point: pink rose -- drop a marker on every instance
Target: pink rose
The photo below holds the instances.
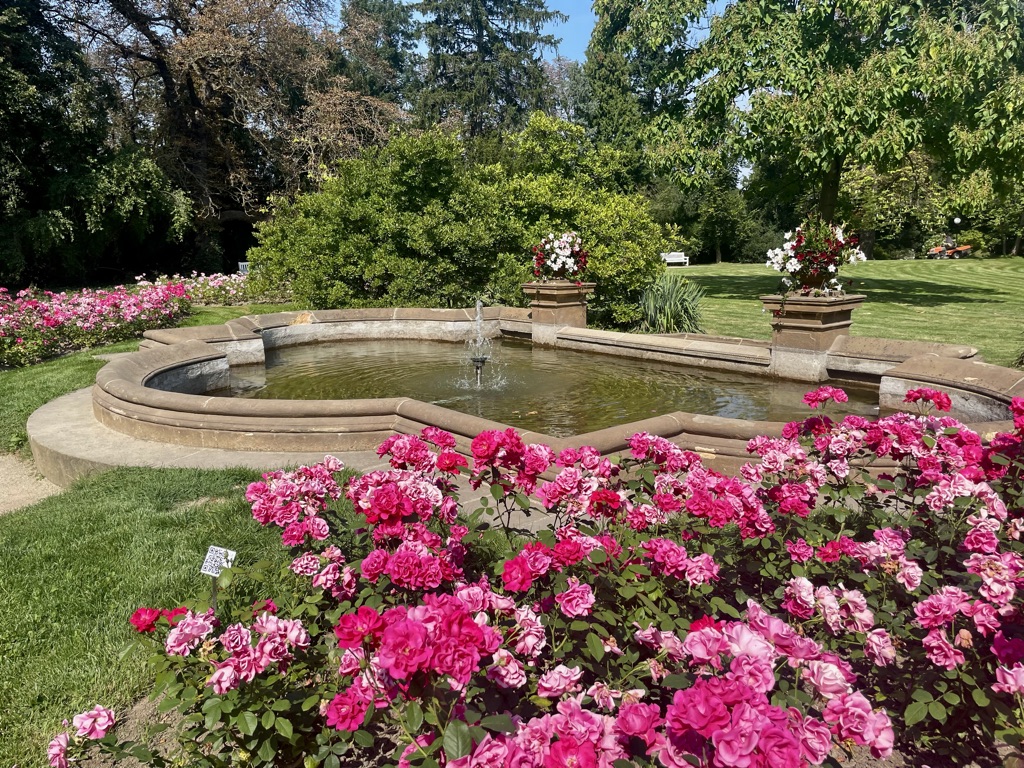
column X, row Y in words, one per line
column 57, row 751
column 561, row 679
column 577, row 600
column 517, row 576
column 94, row 723
column 878, row 647
column 827, row 679
column 224, row 679
column 1010, row 680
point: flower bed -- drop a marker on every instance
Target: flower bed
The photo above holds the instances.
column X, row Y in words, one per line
column 669, row 616
column 35, row 325
column 216, row 289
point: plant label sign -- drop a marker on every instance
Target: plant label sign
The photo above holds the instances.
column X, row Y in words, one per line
column 217, row 559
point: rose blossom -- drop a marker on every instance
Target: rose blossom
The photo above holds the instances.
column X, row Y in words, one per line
column 1010, row 680
column 144, row 619
column 878, row 647
column 577, row 600
column 57, row 751
column 561, row 679
column 94, row 723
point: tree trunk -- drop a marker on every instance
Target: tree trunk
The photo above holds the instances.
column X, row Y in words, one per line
column 867, row 243
column 718, row 251
column 829, row 196
column 1017, row 240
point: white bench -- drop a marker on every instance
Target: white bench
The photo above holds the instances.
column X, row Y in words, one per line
column 243, row 267
column 675, row 259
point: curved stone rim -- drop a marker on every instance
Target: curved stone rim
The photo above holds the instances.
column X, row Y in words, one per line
column 154, row 394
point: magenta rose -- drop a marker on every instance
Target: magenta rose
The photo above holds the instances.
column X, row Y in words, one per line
column 577, row 600
column 94, row 723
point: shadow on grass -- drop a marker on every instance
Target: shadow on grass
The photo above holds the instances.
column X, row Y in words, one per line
column 890, row 291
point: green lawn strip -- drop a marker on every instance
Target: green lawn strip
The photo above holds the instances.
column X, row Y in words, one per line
column 969, row 301
column 76, row 566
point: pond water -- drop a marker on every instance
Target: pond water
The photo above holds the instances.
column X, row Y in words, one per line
column 555, row 391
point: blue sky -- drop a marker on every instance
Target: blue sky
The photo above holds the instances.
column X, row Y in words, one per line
column 575, row 33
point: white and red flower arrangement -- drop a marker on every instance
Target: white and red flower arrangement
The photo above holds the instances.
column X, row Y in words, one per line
column 559, row 257
column 811, row 257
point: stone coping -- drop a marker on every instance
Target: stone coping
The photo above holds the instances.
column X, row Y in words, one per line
column 135, row 394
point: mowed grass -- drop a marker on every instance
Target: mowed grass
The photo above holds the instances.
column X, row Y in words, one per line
column 76, row 566
column 969, row 301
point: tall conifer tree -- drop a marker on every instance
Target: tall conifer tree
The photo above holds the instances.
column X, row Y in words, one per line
column 484, row 61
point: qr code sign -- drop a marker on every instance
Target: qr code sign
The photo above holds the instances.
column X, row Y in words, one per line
column 217, row 559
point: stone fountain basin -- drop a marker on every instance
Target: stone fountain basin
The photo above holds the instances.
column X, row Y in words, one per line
column 158, row 393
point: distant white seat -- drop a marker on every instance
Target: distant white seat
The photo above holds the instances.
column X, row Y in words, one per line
column 676, row 259
column 243, row 267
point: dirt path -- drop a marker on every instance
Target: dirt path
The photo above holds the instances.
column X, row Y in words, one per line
column 20, row 484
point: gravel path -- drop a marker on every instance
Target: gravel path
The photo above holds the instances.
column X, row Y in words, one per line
column 20, row 484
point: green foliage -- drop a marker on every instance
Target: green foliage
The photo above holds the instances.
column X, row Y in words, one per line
column 418, row 224
column 69, row 205
column 824, row 87
column 672, row 305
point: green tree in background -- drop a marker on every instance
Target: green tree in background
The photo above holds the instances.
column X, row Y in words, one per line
column 73, row 207
column 484, row 62
column 826, row 86
column 379, row 46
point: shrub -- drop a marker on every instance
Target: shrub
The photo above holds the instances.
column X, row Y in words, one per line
column 646, row 623
column 416, row 223
column 672, row 305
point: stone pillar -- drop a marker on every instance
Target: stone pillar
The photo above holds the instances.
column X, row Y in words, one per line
column 556, row 304
column 803, row 329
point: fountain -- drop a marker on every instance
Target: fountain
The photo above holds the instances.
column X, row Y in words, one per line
column 163, row 392
column 480, row 347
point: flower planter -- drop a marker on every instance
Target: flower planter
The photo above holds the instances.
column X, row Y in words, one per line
column 804, row 329
column 556, row 304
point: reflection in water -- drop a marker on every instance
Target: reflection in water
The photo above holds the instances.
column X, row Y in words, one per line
column 558, row 392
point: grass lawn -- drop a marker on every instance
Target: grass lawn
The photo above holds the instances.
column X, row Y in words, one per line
column 971, row 301
column 76, row 566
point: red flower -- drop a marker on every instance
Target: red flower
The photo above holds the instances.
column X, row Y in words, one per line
column 144, row 619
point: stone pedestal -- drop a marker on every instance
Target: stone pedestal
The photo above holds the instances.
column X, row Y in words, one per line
column 556, row 304
column 803, row 330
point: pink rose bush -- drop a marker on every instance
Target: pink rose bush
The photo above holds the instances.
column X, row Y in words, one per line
column 854, row 587
column 35, row 325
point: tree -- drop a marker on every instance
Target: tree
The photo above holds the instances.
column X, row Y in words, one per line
column 71, row 201
column 238, row 99
column 824, row 85
column 484, row 62
column 378, row 39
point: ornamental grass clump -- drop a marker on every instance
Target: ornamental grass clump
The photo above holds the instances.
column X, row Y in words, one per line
column 670, row 615
column 36, row 325
column 812, row 256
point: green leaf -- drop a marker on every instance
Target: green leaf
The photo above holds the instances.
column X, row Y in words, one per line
column 980, row 697
column 284, row 727
column 268, row 719
column 457, row 742
column 501, row 723
column 598, row 556
column 267, row 751
column 915, row 713
column 247, row 722
column 595, row 646
column 937, row 711
column 414, row 716
column 921, row 695
column 362, row 738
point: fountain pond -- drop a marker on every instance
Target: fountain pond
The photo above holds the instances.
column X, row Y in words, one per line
column 558, row 392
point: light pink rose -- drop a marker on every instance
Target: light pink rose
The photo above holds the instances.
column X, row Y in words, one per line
column 878, row 647
column 827, row 679
column 94, row 723
column 561, row 679
column 1010, row 680
column 57, row 751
